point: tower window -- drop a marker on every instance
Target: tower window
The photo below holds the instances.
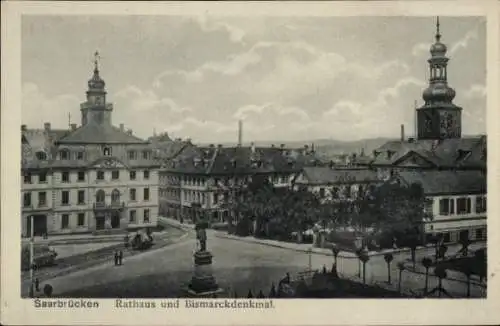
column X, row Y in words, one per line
column 41, row 156
column 64, row 154
column 107, row 151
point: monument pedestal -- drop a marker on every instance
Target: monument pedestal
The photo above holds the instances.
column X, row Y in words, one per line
column 203, row 283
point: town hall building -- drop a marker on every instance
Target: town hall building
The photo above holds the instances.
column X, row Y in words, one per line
column 90, row 178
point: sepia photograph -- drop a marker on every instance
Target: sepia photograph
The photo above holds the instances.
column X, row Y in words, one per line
column 313, row 158
column 198, row 157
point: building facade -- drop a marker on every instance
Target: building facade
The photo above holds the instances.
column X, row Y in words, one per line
column 202, row 181
column 90, row 178
column 455, row 203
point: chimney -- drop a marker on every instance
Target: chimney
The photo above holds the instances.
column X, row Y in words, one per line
column 46, row 126
column 73, row 126
column 122, row 127
column 240, row 132
column 24, row 127
column 129, row 131
column 402, row 132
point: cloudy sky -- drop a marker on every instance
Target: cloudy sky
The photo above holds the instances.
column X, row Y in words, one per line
column 292, row 78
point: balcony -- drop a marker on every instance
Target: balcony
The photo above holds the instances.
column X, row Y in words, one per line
column 109, row 206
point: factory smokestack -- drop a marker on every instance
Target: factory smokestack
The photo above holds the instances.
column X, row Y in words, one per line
column 402, row 132
column 240, row 133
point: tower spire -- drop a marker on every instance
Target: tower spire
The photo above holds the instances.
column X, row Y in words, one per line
column 96, row 61
column 438, row 34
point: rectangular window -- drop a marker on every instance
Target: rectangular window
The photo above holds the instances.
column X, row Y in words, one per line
column 115, row 175
column 132, row 216
column 65, row 177
column 146, row 216
column 64, row 155
column 65, row 198
column 216, row 198
column 146, row 174
column 463, row 205
column 81, row 197
column 444, row 206
column 79, row 155
column 480, row 204
column 27, row 177
column 447, row 237
column 100, row 175
column 42, row 199
column 146, row 193
column 132, row 194
column 145, row 155
column 132, row 175
column 64, row 221
column 27, row 199
column 479, row 234
column 322, row 192
column 42, row 177
column 452, row 206
column 81, row 175
column 81, row 219
column 131, row 155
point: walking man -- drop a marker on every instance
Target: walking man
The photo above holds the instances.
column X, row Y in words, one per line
column 120, row 257
column 116, row 258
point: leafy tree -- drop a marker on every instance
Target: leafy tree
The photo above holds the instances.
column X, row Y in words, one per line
column 388, row 259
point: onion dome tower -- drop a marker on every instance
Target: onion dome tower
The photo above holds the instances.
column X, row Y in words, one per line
column 95, row 109
column 438, row 118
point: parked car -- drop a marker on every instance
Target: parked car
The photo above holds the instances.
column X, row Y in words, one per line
column 43, row 256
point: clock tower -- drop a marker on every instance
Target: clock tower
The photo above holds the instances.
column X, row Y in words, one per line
column 95, row 109
column 439, row 118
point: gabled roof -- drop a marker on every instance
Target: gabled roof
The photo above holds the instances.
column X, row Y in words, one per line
column 447, row 153
column 100, row 133
column 449, row 182
column 240, row 160
column 325, row 175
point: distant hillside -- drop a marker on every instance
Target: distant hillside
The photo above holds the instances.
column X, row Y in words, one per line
column 324, row 147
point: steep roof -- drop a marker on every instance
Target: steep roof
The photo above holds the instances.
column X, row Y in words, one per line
column 446, row 182
column 325, row 175
column 240, row 160
column 100, row 133
column 447, row 153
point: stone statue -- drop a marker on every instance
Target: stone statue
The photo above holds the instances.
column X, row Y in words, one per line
column 201, row 236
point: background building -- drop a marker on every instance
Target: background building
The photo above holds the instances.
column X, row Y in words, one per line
column 91, row 178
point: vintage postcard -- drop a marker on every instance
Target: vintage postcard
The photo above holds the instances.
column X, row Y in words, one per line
column 204, row 163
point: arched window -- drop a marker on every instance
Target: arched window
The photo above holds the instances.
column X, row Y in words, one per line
column 41, row 155
column 64, row 154
column 115, row 196
column 106, row 151
column 100, row 196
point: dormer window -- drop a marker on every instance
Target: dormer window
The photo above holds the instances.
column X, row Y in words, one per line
column 41, row 155
column 390, row 154
column 106, row 151
column 64, row 154
column 376, row 153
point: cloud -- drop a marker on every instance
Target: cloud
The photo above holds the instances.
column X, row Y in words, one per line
column 475, row 91
column 464, row 42
column 420, row 48
column 145, row 101
column 236, row 34
column 38, row 108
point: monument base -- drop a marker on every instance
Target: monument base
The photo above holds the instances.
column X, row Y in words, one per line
column 203, row 283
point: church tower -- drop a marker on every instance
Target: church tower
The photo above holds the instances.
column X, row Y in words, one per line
column 439, row 118
column 95, row 110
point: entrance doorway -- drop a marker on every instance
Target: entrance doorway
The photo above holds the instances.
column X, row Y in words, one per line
column 39, row 225
column 115, row 220
column 99, row 222
column 464, row 235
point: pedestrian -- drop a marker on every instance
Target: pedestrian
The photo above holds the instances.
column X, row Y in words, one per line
column 37, row 284
column 116, row 258
column 120, row 257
